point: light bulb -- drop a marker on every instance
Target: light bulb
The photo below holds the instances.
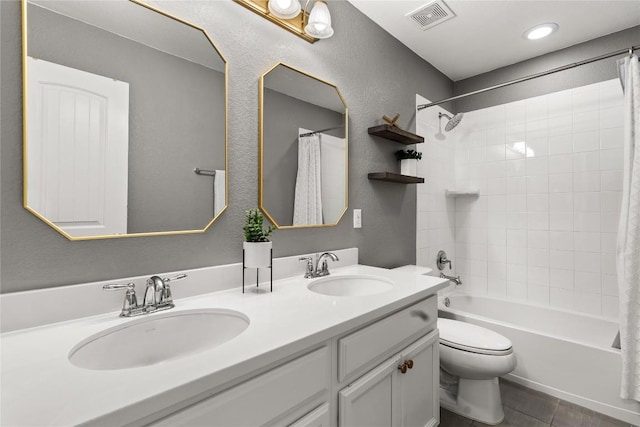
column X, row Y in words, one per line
column 284, row 9
column 319, row 25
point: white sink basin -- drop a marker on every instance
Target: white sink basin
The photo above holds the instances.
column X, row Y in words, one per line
column 350, row 286
column 149, row 340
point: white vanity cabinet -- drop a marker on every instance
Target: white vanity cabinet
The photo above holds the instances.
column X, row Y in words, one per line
column 293, row 391
column 403, row 389
column 358, row 372
column 386, row 396
column 319, row 417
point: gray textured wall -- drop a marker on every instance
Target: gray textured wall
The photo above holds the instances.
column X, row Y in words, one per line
column 166, row 139
column 580, row 76
column 376, row 75
column 283, row 116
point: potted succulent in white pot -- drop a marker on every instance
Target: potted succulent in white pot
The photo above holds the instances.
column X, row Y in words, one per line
column 408, row 161
column 257, row 247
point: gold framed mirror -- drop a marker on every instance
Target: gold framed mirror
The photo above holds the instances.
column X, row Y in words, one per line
column 125, row 120
column 303, row 176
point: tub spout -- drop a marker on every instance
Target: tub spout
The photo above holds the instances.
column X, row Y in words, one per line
column 456, row 280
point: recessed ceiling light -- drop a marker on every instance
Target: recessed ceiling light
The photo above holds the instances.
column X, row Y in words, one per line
column 540, row 31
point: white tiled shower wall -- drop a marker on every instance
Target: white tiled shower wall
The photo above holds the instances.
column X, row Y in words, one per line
column 436, row 214
column 549, row 170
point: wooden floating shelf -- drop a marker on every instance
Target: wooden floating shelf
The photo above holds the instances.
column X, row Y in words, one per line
column 396, row 177
column 394, row 133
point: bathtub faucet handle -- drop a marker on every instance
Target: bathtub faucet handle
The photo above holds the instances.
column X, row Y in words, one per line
column 441, row 260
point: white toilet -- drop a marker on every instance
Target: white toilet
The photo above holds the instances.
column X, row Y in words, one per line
column 471, row 360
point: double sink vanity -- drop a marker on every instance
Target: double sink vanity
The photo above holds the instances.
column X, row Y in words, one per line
column 357, row 347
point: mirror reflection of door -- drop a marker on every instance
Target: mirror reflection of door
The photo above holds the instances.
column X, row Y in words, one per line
column 175, row 123
column 78, row 148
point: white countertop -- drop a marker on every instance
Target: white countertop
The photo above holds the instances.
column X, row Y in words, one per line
column 41, row 387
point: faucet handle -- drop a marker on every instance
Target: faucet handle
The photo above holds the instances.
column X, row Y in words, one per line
column 441, row 260
column 167, row 298
column 117, row 286
column 174, row 278
column 130, row 299
column 309, row 267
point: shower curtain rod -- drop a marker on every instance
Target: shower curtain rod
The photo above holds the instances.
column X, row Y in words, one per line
column 533, row 76
column 319, row 131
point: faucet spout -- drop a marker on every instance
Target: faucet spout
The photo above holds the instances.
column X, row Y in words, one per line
column 154, row 293
column 322, row 268
column 456, row 280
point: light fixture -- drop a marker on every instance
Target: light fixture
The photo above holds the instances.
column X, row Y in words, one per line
column 284, row 9
column 319, row 25
column 540, row 31
column 290, row 15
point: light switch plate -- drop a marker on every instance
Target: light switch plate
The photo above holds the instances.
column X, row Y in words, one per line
column 357, row 218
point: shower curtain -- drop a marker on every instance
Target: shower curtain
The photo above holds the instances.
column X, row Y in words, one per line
column 628, row 246
column 307, row 207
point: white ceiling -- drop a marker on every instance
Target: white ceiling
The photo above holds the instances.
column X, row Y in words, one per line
column 485, row 35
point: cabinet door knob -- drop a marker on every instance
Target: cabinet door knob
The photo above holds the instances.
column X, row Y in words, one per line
column 403, row 368
column 409, row 363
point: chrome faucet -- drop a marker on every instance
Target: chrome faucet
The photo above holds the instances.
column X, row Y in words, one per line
column 157, row 296
column 321, row 268
column 441, row 261
column 456, row 280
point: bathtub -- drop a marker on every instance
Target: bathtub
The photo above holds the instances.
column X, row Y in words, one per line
column 565, row 354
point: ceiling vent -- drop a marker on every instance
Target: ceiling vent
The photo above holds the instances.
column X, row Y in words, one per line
column 431, row 14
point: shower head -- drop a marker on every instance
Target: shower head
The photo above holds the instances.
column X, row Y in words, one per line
column 453, row 121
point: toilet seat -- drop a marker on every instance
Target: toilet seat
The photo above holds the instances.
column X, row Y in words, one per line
column 472, row 338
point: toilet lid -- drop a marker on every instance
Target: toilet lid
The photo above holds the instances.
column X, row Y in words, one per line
column 468, row 337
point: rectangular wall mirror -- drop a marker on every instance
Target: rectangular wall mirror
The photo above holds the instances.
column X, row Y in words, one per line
column 122, row 103
column 303, row 149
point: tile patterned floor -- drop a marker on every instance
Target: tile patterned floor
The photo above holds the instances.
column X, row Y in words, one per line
column 524, row 407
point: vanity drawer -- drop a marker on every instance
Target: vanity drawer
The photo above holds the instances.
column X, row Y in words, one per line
column 385, row 336
column 269, row 398
column 319, row 417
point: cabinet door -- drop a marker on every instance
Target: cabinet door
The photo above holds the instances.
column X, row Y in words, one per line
column 420, row 399
column 319, row 417
column 370, row 401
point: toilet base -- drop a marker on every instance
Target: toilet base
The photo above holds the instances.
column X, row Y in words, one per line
column 476, row 399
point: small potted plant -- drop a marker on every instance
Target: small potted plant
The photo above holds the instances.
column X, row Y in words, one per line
column 257, row 247
column 408, row 161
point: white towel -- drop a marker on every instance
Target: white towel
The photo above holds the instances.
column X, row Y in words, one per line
column 219, row 191
column 307, row 208
column 628, row 246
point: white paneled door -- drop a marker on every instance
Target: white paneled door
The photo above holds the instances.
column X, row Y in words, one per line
column 77, row 147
